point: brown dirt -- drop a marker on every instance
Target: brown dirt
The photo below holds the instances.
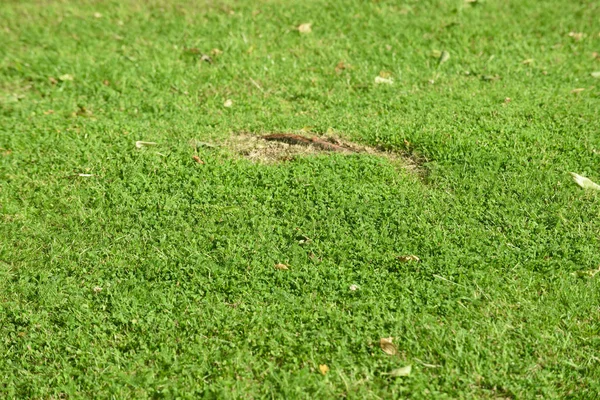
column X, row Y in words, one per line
column 282, row 147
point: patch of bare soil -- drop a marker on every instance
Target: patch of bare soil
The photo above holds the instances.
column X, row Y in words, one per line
column 279, row 147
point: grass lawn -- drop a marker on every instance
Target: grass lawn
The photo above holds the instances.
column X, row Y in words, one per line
column 132, row 272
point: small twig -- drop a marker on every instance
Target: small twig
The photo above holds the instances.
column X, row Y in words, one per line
column 427, row 365
column 257, row 85
column 447, row 280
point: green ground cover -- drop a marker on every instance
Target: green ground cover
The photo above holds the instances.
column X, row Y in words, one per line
column 155, row 277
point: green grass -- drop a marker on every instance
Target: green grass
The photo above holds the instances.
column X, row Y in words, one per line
column 190, row 302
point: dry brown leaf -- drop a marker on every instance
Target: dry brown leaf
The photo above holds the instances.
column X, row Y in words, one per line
column 387, row 81
column 228, row 103
column 341, row 66
column 324, row 369
column 198, row 160
column 353, row 288
column 404, row 371
column 387, row 346
column 593, row 272
column 281, row 267
column 578, row 90
column 528, row 61
column 216, row 52
column 576, row 35
column 444, row 56
column 84, row 112
column 305, row 28
column 52, row 80
column 584, row 182
column 408, row 258
column 66, row 77
column 140, row 143
column 583, row 274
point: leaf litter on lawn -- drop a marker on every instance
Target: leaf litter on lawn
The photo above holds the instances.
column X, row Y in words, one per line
column 305, row 28
column 403, row 371
column 408, row 258
column 584, row 182
column 140, row 144
column 387, row 346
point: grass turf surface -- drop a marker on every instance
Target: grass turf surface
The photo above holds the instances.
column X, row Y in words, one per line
column 190, row 302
